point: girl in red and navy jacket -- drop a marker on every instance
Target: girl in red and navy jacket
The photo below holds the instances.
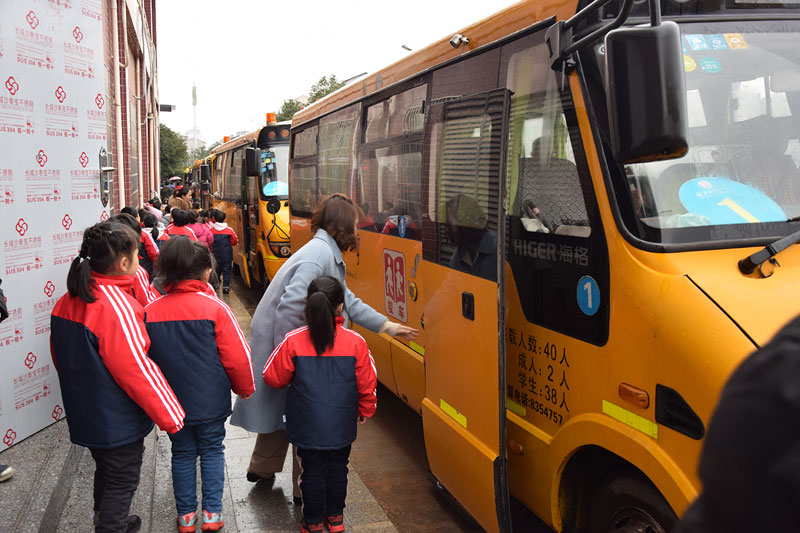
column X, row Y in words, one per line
column 141, row 279
column 112, row 391
column 224, row 241
column 179, row 224
column 203, row 352
column 333, row 381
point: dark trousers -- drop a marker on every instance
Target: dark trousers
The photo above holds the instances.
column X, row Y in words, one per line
column 116, row 477
column 224, row 273
column 323, row 482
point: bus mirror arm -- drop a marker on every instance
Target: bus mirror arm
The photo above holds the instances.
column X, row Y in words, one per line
column 559, row 36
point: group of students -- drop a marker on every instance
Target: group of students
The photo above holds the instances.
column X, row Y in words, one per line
column 130, row 353
column 206, row 226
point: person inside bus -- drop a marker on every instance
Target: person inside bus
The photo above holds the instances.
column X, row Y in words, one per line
column 475, row 244
column 380, row 218
column 334, row 224
column 366, row 222
column 750, row 463
column 403, row 214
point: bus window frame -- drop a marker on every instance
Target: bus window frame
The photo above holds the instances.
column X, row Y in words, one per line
column 305, row 161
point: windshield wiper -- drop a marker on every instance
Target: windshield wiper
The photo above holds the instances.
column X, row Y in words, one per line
column 751, row 262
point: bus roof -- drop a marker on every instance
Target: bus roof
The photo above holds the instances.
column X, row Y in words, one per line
column 238, row 141
column 502, row 24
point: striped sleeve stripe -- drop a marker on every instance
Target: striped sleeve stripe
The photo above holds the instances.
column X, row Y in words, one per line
column 137, row 349
column 144, row 284
column 278, row 347
column 139, row 330
column 148, row 363
column 239, row 331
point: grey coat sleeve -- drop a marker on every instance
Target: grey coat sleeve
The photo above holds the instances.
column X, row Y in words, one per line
column 361, row 313
column 289, row 312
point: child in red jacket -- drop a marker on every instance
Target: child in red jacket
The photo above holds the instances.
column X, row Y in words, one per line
column 112, row 391
column 333, row 387
column 203, row 353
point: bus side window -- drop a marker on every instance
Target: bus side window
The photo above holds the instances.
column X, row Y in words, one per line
column 303, row 192
column 556, row 243
column 390, row 164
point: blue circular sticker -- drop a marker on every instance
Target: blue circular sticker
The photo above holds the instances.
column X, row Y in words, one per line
column 401, row 226
column 725, row 201
column 276, row 188
column 588, row 295
column 710, row 65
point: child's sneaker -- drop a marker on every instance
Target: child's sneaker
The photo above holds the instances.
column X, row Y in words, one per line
column 305, row 527
column 188, row 522
column 212, row 521
column 335, row 523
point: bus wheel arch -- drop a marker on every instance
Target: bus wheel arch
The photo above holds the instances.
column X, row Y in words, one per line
column 602, row 492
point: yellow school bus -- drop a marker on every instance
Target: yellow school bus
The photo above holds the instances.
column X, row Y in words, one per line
column 580, row 210
column 249, row 177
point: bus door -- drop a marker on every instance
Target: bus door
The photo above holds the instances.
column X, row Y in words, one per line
column 463, row 411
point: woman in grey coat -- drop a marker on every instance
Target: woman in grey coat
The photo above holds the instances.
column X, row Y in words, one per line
column 281, row 310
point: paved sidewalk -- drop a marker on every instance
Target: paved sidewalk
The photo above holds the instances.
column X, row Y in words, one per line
column 52, row 489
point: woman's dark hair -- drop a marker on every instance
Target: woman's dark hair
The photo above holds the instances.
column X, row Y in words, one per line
column 324, row 296
column 180, row 217
column 102, row 246
column 181, row 258
column 150, row 221
column 127, row 220
column 128, row 210
column 338, row 216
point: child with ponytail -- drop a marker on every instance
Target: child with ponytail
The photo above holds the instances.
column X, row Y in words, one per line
column 112, row 391
column 321, row 414
column 211, row 358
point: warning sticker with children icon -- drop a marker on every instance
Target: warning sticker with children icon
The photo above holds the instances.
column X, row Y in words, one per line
column 394, row 284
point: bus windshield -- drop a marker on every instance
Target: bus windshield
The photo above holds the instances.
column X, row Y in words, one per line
column 274, row 178
column 740, row 177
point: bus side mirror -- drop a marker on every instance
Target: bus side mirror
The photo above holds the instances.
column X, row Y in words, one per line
column 205, row 173
column 273, row 205
column 645, row 93
column 252, row 161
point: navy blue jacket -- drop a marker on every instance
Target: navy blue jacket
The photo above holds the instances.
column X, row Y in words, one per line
column 328, row 392
column 224, row 241
column 112, row 391
column 201, row 349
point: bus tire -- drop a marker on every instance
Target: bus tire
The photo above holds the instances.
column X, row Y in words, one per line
column 627, row 504
column 262, row 273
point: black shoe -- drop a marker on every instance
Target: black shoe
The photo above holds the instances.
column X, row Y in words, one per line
column 298, row 501
column 133, row 524
column 225, row 290
column 254, row 478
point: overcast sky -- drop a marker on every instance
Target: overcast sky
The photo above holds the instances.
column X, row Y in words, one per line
column 247, row 56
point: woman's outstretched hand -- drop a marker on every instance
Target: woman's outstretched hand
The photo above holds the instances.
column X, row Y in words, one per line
column 399, row 330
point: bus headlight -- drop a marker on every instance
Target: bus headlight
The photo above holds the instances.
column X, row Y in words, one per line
column 280, row 249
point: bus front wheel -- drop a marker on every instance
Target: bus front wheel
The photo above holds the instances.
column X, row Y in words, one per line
column 628, row 504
